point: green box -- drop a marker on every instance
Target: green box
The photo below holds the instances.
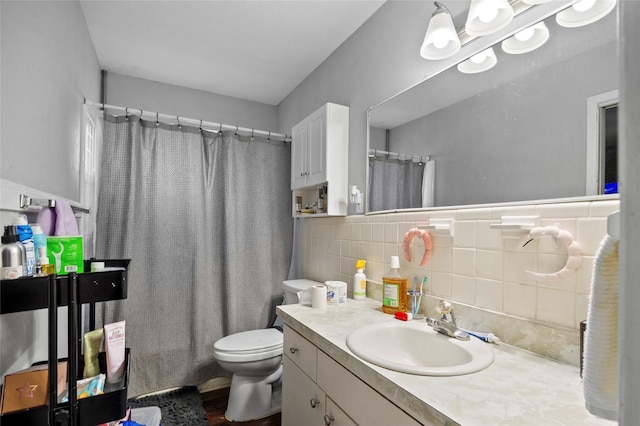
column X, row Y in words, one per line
column 66, row 254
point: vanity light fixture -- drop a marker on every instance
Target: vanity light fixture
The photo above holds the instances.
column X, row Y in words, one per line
column 478, row 63
column 584, row 12
column 488, row 16
column 527, row 40
column 441, row 39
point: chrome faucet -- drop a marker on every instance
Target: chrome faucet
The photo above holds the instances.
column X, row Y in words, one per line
column 447, row 322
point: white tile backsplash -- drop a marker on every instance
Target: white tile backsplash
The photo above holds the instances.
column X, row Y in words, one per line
column 477, row 267
column 490, row 264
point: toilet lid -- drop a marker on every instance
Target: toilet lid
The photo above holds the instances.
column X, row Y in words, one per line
column 251, row 341
column 294, row 286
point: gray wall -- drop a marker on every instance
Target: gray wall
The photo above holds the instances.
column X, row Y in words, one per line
column 174, row 100
column 48, row 67
column 364, row 71
column 629, row 318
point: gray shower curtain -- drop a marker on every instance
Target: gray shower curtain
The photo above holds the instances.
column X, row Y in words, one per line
column 206, row 221
column 394, row 184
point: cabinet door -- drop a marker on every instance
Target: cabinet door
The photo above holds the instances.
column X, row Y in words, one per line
column 303, row 403
column 299, row 155
column 335, row 416
column 317, row 147
column 363, row 404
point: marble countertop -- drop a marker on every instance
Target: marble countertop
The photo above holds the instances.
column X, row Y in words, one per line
column 519, row 388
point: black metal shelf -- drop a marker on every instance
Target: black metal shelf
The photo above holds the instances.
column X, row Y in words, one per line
column 31, row 293
column 94, row 410
column 73, row 290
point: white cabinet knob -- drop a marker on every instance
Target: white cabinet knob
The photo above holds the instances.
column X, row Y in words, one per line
column 328, row 420
column 293, row 350
column 314, row 402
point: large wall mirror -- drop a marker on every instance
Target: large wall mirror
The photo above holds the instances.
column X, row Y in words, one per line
column 533, row 127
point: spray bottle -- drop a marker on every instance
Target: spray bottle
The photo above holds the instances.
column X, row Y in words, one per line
column 360, row 282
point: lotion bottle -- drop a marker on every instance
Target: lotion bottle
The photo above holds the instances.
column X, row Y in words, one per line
column 394, row 289
column 360, row 282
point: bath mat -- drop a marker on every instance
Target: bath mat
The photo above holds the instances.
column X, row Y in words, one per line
column 180, row 407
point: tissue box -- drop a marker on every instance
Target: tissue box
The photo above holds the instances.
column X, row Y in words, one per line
column 66, row 254
column 29, row 388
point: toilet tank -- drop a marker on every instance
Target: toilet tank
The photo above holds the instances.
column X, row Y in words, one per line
column 291, row 288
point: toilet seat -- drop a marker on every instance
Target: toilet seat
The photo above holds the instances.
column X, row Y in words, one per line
column 252, row 345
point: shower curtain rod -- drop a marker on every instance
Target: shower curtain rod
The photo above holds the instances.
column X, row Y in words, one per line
column 373, row 153
column 211, row 126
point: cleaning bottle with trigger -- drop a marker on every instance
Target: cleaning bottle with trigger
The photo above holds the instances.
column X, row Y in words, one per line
column 360, row 282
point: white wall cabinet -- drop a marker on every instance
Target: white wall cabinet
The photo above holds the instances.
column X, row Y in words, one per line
column 319, row 158
column 316, row 390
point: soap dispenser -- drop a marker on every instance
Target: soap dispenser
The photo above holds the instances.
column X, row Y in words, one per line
column 394, row 289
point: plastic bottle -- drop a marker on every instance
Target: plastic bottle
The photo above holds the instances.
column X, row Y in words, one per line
column 394, row 289
column 360, row 282
column 39, row 240
column 12, row 256
column 25, row 234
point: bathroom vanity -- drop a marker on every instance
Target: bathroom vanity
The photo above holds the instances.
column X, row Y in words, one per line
column 325, row 383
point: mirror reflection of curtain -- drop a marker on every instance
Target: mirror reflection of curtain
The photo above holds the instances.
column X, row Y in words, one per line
column 394, row 184
column 206, row 221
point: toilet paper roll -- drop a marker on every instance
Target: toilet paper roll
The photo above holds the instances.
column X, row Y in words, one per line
column 319, row 296
column 336, row 292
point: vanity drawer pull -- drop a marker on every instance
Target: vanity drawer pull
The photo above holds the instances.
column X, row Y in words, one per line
column 314, row 402
column 293, row 350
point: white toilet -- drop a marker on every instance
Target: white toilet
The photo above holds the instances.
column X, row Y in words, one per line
column 255, row 359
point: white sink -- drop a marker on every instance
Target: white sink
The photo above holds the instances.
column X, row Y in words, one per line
column 415, row 348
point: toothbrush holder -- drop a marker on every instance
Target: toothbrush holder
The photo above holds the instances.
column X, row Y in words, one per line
column 415, row 297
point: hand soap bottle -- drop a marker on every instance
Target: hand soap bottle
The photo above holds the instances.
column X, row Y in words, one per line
column 394, row 289
column 360, row 282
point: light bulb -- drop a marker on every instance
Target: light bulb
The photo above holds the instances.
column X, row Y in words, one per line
column 488, row 14
column 584, row 5
column 440, row 39
column 479, row 58
column 525, row 34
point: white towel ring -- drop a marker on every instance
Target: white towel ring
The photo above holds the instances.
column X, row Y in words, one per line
column 574, row 259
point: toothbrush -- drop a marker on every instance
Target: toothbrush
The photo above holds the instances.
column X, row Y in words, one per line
column 414, row 308
column 424, row 281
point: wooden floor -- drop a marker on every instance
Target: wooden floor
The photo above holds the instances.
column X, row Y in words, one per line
column 215, row 404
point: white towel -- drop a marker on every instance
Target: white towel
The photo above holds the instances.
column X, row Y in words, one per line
column 600, row 373
column 428, row 182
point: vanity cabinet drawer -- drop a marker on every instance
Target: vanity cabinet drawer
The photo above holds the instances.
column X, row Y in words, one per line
column 364, row 405
column 302, row 352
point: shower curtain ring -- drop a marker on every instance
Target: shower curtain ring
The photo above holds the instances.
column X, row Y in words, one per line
column 126, row 113
column 236, row 133
column 179, row 124
column 220, row 131
column 200, row 126
column 251, row 134
column 141, row 113
column 269, row 137
column 157, row 122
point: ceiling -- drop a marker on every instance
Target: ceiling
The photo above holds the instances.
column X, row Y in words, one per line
column 256, row 50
